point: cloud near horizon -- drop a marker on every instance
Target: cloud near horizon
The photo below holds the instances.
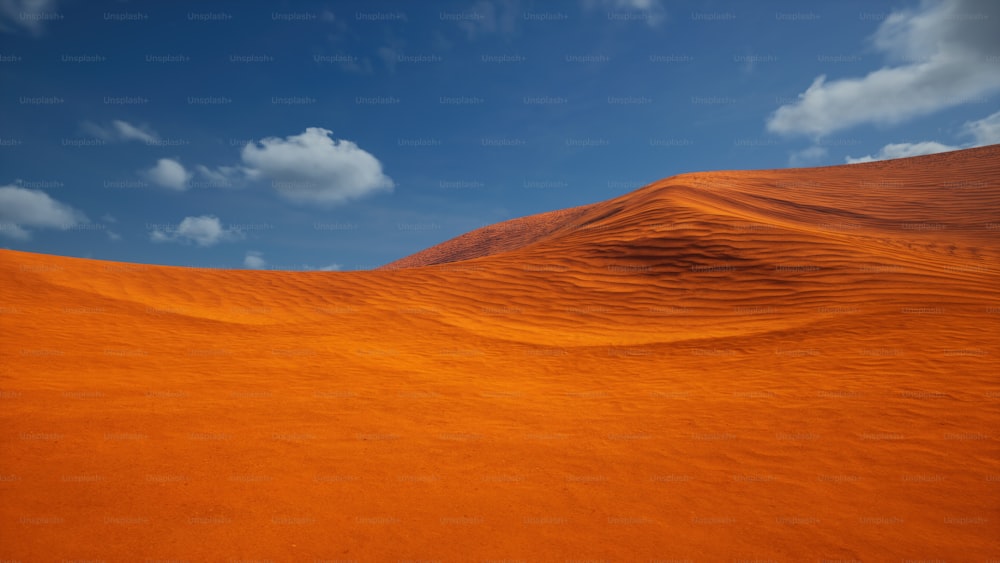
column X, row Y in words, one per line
column 205, row 230
column 942, row 53
column 22, row 208
column 903, row 150
column 254, row 260
column 985, row 131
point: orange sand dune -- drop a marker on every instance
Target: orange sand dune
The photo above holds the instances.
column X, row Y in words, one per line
column 782, row 365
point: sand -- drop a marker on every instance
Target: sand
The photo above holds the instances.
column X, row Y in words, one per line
column 782, row 365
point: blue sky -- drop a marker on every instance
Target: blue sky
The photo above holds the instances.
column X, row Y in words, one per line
column 345, row 135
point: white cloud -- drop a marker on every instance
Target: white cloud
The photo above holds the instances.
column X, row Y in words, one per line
column 314, row 168
column 22, row 208
column 121, row 131
column 221, row 176
column 904, row 150
column 130, row 132
column 311, row 268
column 942, row 53
column 807, row 156
column 311, row 167
column 205, row 230
column 168, row 173
column 985, row 131
column 254, row 260
column 27, row 14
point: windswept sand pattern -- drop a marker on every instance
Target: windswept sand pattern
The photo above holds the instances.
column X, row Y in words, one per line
column 780, row 365
column 492, row 239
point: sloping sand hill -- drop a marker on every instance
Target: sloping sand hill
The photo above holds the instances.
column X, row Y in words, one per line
column 781, row 365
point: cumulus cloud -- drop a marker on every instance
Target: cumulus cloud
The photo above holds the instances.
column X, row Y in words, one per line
column 940, row 55
column 312, row 167
column 169, row 173
column 21, row 209
column 985, row 131
column 254, row 260
column 29, row 15
column 204, row 230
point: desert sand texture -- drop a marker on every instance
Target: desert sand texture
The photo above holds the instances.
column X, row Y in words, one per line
column 780, row 365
